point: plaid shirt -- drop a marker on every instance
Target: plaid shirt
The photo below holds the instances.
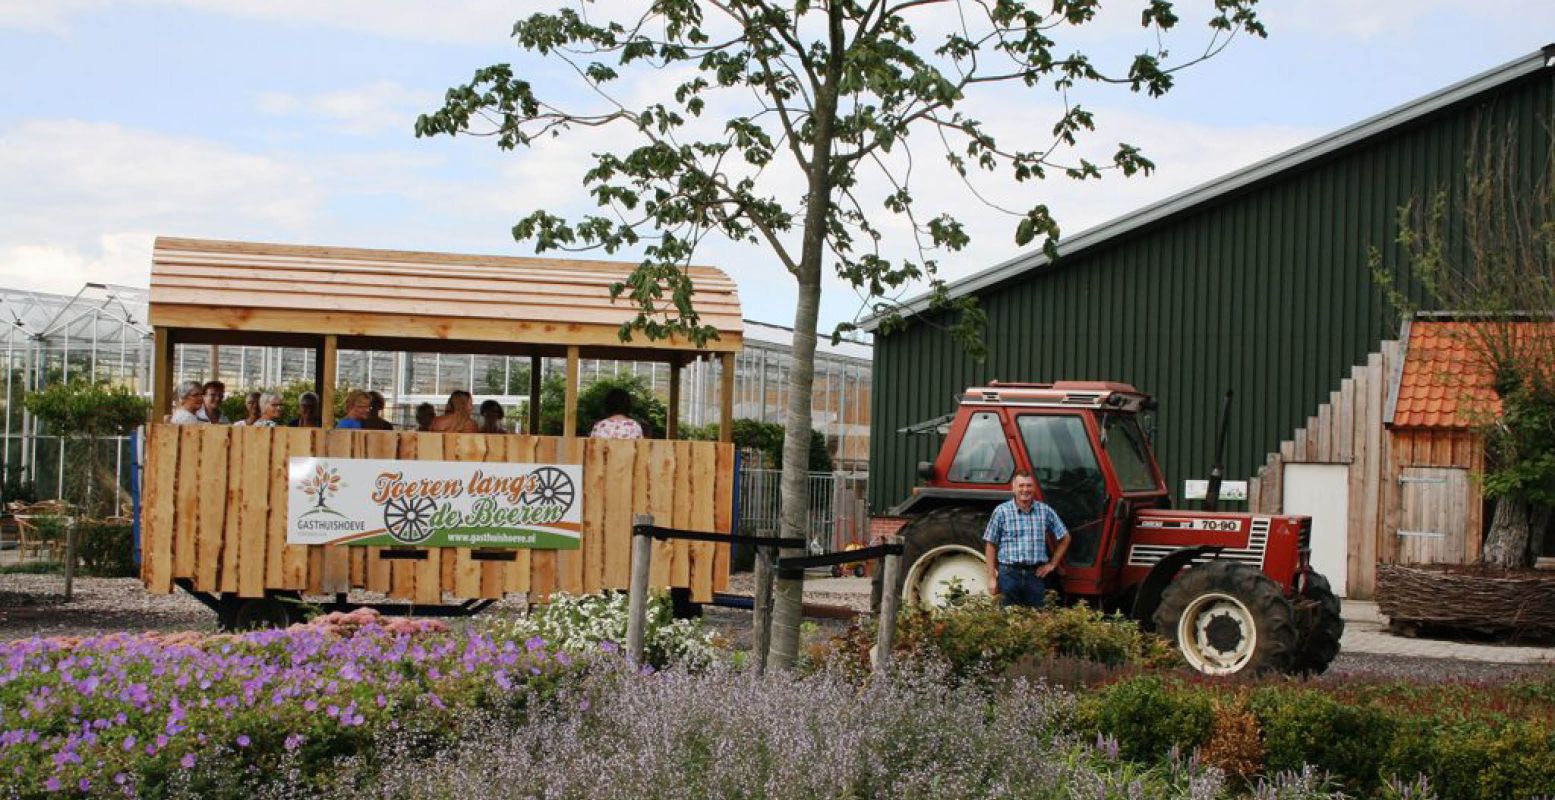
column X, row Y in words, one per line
column 1021, row 536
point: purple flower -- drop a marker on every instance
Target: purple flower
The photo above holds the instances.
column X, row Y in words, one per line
column 52, row 784
column 187, row 762
column 534, row 643
column 243, row 740
column 293, row 741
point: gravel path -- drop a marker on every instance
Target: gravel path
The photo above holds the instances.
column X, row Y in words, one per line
column 30, row 606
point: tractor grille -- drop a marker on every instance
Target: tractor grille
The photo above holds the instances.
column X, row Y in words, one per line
column 1146, row 555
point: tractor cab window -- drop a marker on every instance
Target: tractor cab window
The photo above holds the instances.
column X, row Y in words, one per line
column 984, row 456
column 1130, row 456
column 1070, row 479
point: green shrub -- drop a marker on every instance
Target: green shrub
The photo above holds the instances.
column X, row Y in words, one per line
column 978, row 638
column 106, row 550
column 1148, row 717
column 1307, row 726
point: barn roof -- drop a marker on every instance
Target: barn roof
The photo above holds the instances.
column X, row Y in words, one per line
column 543, row 303
column 1285, row 162
column 1444, row 382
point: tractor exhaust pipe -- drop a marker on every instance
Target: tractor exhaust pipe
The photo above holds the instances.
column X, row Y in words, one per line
column 1218, row 469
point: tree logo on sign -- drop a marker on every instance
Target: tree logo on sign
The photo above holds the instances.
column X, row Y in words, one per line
column 323, row 484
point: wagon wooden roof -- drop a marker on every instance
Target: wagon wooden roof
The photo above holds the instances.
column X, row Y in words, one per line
column 226, row 292
column 1443, row 383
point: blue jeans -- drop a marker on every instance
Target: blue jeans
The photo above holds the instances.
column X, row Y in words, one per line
column 1021, row 586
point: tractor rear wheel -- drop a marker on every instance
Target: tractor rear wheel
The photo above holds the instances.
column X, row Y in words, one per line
column 942, row 555
column 1228, row 618
column 1320, row 625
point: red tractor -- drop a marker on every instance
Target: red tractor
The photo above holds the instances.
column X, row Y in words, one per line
column 1234, row 592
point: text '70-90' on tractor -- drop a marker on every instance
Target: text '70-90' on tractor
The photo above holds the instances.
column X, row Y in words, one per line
column 1234, row 592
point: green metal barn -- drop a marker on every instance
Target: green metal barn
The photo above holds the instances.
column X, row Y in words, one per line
column 1257, row 282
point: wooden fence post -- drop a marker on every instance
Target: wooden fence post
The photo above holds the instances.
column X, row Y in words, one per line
column 890, row 601
column 70, row 556
column 761, row 609
column 637, row 600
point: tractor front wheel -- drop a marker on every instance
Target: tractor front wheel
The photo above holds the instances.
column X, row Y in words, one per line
column 942, row 558
column 1228, row 618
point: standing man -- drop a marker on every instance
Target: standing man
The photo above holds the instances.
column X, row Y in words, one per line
column 1015, row 544
column 210, row 410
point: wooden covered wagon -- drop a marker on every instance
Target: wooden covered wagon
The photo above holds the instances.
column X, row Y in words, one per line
column 221, row 516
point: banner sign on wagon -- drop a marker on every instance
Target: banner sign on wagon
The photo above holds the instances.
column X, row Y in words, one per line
column 383, row 503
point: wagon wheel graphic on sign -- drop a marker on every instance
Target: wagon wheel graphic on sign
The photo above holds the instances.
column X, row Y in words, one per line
column 409, row 519
column 552, row 487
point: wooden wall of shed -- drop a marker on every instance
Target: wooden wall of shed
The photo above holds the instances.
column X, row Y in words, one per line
column 1348, row 429
column 215, row 499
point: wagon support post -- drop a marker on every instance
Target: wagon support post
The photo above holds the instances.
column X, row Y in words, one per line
column 637, row 599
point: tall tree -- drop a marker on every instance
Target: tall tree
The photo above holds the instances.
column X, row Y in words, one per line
column 1485, row 250
column 821, row 96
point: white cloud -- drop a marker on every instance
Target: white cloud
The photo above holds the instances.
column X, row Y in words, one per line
column 449, row 21
column 382, row 106
column 88, row 197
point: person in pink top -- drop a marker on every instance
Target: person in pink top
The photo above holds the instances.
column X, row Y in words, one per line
column 618, row 423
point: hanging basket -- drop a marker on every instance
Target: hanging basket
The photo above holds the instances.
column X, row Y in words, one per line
column 1499, row 602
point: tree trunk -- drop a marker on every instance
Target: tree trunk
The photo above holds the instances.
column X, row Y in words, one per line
column 1511, row 532
column 788, row 594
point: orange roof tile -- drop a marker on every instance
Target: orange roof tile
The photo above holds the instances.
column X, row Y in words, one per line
column 1444, row 384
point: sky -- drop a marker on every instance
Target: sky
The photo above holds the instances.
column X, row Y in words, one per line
column 292, row 121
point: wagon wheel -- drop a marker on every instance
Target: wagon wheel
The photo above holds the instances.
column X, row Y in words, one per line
column 552, row 487
column 409, row 519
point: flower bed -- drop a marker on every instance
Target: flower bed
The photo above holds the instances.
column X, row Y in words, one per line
column 144, row 715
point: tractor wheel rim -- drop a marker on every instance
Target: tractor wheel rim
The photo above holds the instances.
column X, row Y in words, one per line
column 1217, row 634
column 929, row 579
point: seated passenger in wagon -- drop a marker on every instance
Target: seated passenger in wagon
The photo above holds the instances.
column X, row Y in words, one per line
column 357, row 405
column 618, row 424
column 491, row 417
column 459, row 416
column 191, row 394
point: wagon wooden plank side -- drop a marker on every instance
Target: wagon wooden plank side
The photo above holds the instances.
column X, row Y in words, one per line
column 654, row 473
column 680, row 560
column 254, row 521
column 275, row 529
column 615, row 546
column 723, row 513
column 202, row 491
column 156, row 553
column 230, row 529
column 703, row 506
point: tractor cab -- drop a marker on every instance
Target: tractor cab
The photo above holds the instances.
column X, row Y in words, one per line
column 1083, row 442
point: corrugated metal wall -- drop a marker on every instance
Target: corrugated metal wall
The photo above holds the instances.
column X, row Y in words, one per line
column 1266, row 292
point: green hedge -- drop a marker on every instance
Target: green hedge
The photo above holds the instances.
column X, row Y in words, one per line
column 1470, row 742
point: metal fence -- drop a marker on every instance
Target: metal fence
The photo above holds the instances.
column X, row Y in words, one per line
column 839, row 509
